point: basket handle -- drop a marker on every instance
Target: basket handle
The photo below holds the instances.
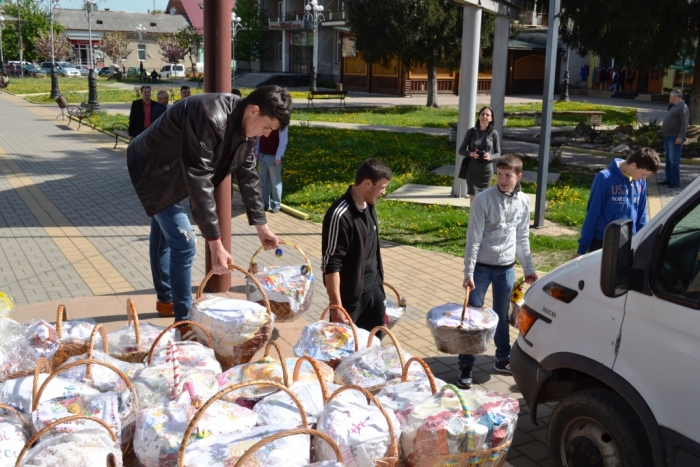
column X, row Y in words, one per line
column 352, row 325
column 61, row 315
column 283, row 434
column 132, row 314
column 41, row 364
column 393, row 338
column 111, row 460
column 67, row 366
column 392, row 450
column 174, row 358
column 283, row 361
column 460, row 397
column 219, row 395
column 16, row 412
column 281, row 242
column 233, row 267
column 464, row 307
column 317, row 370
column 91, row 344
column 51, row 426
column 172, row 326
column 396, row 292
column 428, row 373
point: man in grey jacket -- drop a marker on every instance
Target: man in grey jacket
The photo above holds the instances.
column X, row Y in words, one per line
column 499, row 227
column 674, row 128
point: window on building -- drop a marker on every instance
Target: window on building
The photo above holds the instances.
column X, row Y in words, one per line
column 280, row 48
column 142, row 52
column 280, row 10
column 99, row 21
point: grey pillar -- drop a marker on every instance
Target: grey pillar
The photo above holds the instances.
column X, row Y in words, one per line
column 500, row 71
column 547, row 105
column 471, row 35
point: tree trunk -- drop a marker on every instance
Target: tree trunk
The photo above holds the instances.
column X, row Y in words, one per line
column 695, row 92
column 432, row 86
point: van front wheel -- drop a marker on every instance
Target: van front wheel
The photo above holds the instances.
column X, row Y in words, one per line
column 596, row 428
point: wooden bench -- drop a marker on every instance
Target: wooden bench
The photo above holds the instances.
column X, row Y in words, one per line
column 84, row 110
column 326, row 95
column 154, row 92
column 120, row 129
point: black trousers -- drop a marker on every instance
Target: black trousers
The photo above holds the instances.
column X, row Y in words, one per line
column 595, row 245
column 369, row 311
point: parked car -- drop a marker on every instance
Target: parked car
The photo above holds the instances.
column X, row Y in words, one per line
column 84, row 70
column 172, row 71
column 61, row 69
column 133, row 72
column 104, row 71
column 195, row 72
column 32, row 69
column 612, row 337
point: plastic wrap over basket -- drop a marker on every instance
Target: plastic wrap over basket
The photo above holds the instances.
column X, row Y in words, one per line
column 160, row 429
column 225, row 450
column 278, row 409
column 18, row 392
column 103, row 378
column 394, row 312
column 452, row 336
column 440, row 429
column 238, row 328
column 21, row 345
column 330, row 342
column 122, row 342
column 191, row 354
column 373, row 368
column 289, row 290
column 360, row 430
column 13, row 436
column 108, row 407
column 396, row 396
column 87, row 448
column 154, row 384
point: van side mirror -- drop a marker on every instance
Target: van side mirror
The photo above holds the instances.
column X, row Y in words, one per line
column 617, row 258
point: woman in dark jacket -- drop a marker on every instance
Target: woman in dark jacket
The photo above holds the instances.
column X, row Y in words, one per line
column 482, row 150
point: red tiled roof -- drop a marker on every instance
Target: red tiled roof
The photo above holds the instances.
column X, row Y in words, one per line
column 195, row 13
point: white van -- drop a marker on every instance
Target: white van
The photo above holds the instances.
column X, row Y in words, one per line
column 614, row 336
column 172, row 71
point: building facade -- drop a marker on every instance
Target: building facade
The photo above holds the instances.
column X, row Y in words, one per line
column 144, row 50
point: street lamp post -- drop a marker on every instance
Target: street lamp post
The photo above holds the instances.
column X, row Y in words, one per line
column 565, row 95
column 2, row 60
column 92, row 77
column 140, row 31
column 55, row 91
column 313, row 14
column 235, row 27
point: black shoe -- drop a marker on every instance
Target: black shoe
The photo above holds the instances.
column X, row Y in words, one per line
column 464, row 377
column 674, row 186
column 664, row 183
column 503, row 367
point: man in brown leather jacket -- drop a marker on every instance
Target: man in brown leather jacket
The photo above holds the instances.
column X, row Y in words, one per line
column 188, row 152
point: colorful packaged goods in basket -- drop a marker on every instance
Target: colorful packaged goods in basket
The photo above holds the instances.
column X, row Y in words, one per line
column 21, row 346
column 458, row 426
column 461, row 329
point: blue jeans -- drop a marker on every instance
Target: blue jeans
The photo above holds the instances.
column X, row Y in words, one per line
column 673, row 160
column 172, row 248
column 271, row 180
column 501, row 281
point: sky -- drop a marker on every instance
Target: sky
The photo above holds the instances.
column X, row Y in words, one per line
column 136, row 6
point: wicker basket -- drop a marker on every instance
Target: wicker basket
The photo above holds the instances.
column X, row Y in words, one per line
column 66, row 349
column 177, row 325
column 127, row 438
column 137, row 355
column 200, row 413
column 391, row 458
column 458, row 339
column 335, row 362
column 377, row 387
column 494, row 457
column 282, row 310
column 400, row 303
column 426, row 368
column 317, row 370
column 282, row 434
column 242, row 353
column 110, row 461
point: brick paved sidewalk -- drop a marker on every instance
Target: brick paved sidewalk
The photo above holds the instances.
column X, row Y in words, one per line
column 71, row 226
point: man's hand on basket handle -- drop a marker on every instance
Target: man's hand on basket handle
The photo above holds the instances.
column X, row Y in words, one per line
column 220, row 258
column 267, row 238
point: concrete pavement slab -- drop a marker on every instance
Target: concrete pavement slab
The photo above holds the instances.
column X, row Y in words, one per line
column 427, row 194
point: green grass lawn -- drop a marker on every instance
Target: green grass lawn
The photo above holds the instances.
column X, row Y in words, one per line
column 37, row 85
column 421, row 116
column 320, row 164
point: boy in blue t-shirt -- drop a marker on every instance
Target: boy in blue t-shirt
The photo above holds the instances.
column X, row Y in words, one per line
column 618, row 192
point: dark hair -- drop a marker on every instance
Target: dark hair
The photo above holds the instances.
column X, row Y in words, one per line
column 489, row 128
column 274, row 102
column 184, row 87
column 645, row 159
column 510, row 162
column 144, row 86
column 236, row 92
column 374, row 170
column 162, row 93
